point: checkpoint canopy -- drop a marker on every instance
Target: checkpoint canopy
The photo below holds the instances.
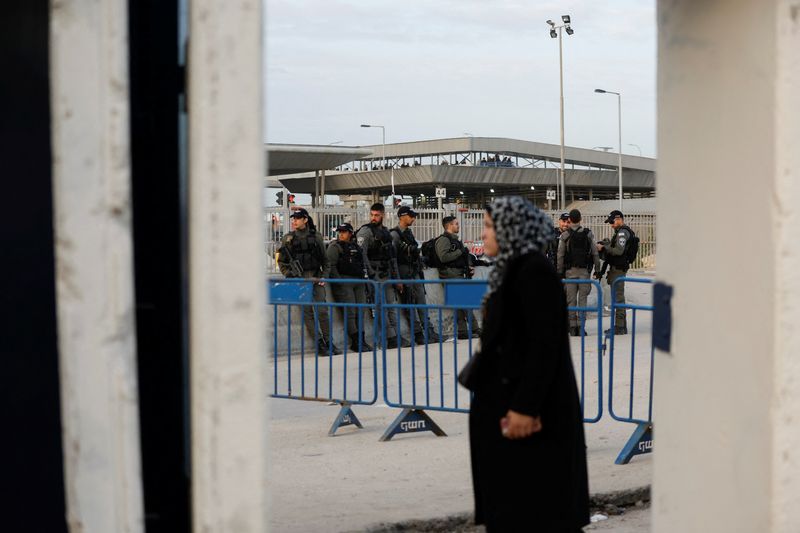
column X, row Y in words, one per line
column 285, row 159
column 471, row 167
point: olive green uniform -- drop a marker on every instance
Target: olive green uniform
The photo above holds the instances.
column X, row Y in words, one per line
column 455, row 260
column 308, row 249
column 409, row 265
column 346, row 261
column 376, row 243
column 617, row 268
column 577, row 293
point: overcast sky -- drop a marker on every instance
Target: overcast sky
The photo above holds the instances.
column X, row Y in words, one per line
column 429, row 69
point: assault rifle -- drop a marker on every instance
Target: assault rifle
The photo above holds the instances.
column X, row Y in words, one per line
column 295, row 268
column 603, row 256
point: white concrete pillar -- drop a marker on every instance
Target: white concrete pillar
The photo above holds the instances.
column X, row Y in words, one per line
column 94, row 265
column 226, row 269
column 728, row 445
column 786, row 218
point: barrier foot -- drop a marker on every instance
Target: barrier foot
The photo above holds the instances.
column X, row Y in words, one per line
column 641, row 442
column 346, row 417
column 412, row 421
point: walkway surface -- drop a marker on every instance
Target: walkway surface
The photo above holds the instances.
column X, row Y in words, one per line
column 353, row 482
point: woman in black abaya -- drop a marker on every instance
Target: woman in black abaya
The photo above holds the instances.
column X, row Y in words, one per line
column 526, row 429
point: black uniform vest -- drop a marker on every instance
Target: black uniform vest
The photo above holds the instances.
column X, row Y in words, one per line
column 307, row 251
column 379, row 248
column 619, row 261
column 351, row 260
column 408, row 249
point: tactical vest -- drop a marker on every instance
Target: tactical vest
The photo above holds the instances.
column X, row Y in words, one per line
column 351, row 260
column 379, row 250
column 578, row 252
column 455, row 244
column 619, row 261
column 408, row 250
column 306, row 250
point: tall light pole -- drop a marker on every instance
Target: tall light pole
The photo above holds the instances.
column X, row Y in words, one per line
column 637, row 147
column 555, row 31
column 383, row 137
column 619, row 116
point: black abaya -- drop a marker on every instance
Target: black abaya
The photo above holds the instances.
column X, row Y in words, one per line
column 538, row 483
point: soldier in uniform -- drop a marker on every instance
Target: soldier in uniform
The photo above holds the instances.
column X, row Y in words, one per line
column 577, row 255
column 346, row 261
column 410, row 266
column 551, row 252
column 302, row 255
column 455, row 261
column 614, row 254
column 376, row 243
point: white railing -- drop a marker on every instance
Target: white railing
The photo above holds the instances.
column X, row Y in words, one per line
column 429, row 224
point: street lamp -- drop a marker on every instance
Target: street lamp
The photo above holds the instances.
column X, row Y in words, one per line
column 383, row 137
column 637, row 147
column 619, row 116
column 555, row 31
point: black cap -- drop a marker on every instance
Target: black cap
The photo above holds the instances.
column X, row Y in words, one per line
column 614, row 214
column 564, row 216
column 344, row 227
column 448, row 219
column 575, row 215
column 406, row 210
column 299, row 213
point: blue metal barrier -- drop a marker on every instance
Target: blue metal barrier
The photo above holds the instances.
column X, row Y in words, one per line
column 333, row 370
column 439, row 364
column 641, row 441
column 598, row 309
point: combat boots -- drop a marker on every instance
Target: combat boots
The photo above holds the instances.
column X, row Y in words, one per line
column 433, row 337
column 325, row 348
column 391, row 343
column 355, row 339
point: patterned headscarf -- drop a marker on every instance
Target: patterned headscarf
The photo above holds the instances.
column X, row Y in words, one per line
column 521, row 228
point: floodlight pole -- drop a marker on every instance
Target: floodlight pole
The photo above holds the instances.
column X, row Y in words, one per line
column 619, row 129
column 563, row 193
column 383, row 151
column 556, row 31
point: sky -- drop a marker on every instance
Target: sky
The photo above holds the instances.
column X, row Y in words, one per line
column 429, row 69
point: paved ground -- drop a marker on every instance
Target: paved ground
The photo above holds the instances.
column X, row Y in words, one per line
column 352, row 482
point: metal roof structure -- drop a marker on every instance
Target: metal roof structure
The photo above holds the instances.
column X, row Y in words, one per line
column 412, row 180
column 464, row 166
column 514, row 148
column 299, row 158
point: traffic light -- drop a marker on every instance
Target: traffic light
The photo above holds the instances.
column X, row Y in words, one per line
column 279, row 195
column 290, row 197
